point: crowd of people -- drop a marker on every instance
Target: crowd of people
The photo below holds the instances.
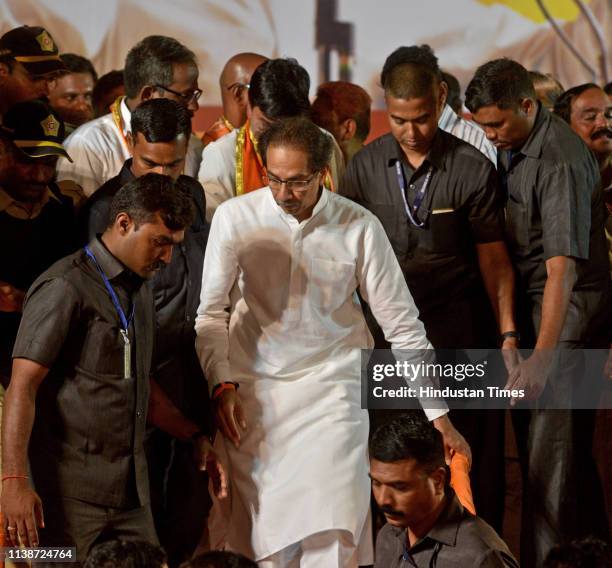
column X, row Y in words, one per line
column 183, row 316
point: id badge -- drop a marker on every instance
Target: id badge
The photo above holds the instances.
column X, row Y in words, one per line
column 127, row 355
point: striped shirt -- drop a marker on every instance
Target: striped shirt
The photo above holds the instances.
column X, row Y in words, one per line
column 468, row 131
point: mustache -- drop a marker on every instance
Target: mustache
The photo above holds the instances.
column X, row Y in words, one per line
column 390, row 511
column 602, row 132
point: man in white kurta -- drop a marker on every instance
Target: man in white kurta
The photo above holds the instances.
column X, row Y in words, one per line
column 291, row 338
column 99, row 148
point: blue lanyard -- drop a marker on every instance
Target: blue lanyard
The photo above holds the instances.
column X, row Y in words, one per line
column 418, row 200
column 125, row 322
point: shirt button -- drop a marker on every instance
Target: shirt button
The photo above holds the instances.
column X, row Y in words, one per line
column 138, row 414
column 187, row 318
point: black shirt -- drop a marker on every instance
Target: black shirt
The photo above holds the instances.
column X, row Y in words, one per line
column 176, row 292
column 87, row 439
column 457, row 539
column 460, row 209
column 30, row 246
column 554, row 208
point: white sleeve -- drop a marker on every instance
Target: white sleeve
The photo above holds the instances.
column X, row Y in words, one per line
column 383, row 286
column 212, row 322
column 87, row 168
column 217, row 176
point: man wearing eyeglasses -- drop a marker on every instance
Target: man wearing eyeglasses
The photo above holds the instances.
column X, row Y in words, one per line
column 283, row 356
column 156, row 67
column 28, row 60
column 234, row 85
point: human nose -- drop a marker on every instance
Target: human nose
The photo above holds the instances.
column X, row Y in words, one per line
column 193, row 104
column 283, row 193
column 41, row 173
column 166, row 255
column 490, row 134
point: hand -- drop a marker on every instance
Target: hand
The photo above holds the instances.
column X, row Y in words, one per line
column 230, row 415
column 11, row 298
column 207, row 460
column 23, row 513
column 454, row 442
column 530, row 375
column 510, row 353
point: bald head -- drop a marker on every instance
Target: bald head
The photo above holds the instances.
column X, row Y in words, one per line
column 235, row 76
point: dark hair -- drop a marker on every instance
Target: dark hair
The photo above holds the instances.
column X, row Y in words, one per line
column 220, row 559
column 586, row 553
column 410, row 72
column 551, row 87
column 299, row 133
column 105, row 85
column 78, row 64
column 151, row 62
column 279, row 88
column 409, row 436
column 345, row 100
column 608, row 88
column 161, row 120
column 563, row 106
column 126, row 554
column 454, row 92
column 501, row 82
column 154, row 194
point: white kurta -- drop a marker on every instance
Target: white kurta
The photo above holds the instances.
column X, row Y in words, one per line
column 218, row 170
column 293, row 343
column 98, row 151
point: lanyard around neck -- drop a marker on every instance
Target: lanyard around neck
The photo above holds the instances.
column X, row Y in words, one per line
column 125, row 322
column 420, row 196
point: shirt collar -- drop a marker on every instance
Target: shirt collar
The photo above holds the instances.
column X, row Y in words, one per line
column 435, row 156
column 533, row 145
column 126, row 175
column 126, row 116
column 6, row 201
column 447, row 526
column 110, row 264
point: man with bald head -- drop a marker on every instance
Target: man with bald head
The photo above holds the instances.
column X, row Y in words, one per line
column 234, row 84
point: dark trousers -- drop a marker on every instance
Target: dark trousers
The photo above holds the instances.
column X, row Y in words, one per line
column 73, row 523
column 562, row 493
column 179, row 496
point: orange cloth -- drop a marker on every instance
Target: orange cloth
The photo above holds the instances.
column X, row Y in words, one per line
column 249, row 167
column 460, row 481
column 216, row 130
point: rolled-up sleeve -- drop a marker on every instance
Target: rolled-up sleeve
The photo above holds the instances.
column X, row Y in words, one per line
column 564, row 201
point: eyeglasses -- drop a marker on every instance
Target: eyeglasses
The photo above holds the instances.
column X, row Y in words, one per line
column 186, row 98
column 292, row 184
column 238, row 85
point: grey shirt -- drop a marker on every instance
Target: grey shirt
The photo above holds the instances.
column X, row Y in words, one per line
column 87, row 438
column 554, row 208
column 458, row 539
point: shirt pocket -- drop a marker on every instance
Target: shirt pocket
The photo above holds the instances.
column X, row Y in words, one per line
column 445, row 232
column 332, row 282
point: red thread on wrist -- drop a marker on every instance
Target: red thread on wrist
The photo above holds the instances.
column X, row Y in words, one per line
column 5, row 477
column 222, row 387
